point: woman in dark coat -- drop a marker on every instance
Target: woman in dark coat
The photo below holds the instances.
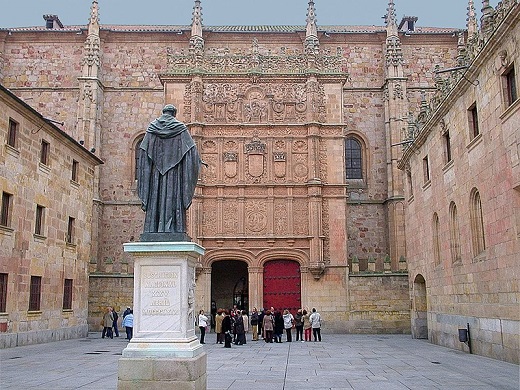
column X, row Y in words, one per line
column 239, row 329
column 226, row 329
column 278, row 327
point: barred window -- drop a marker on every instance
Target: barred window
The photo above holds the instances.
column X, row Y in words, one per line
column 5, row 215
column 12, row 135
column 3, row 293
column 35, row 293
column 39, row 220
column 67, row 294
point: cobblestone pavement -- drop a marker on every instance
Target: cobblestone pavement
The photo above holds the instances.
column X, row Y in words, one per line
column 361, row 362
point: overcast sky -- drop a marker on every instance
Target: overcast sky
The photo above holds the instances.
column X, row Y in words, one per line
column 431, row 13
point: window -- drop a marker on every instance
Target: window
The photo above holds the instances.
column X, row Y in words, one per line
column 71, row 230
column 12, row 134
column 473, row 121
column 454, row 234
column 40, row 220
column 353, row 159
column 5, row 216
column 44, row 152
column 35, row 293
column 75, row 166
column 426, row 169
column 436, row 240
column 136, row 157
column 510, row 86
column 477, row 223
column 447, row 146
column 3, row 293
column 67, row 294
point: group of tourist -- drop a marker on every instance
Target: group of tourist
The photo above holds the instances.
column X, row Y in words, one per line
column 110, row 319
column 231, row 326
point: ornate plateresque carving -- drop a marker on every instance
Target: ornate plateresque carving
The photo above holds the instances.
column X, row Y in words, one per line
column 255, row 59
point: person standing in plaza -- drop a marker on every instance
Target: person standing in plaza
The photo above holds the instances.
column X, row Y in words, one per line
column 268, row 326
column 226, row 329
column 114, row 323
column 261, row 322
column 127, row 311
column 245, row 320
column 218, row 326
column 288, row 322
column 203, row 323
column 298, row 324
column 240, row 335
column 315, row 320
column 254, row 324
column 108, row 322
column 128, row 323
column 278, row 327
column 307, row 328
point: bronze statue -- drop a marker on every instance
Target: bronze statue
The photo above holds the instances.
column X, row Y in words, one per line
column 168, row 171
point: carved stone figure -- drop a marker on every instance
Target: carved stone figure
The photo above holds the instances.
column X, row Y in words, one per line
column 168, row 170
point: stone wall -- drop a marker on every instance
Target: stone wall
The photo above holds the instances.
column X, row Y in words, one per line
column 378, row 303
column 467, row 283
column 50, row 254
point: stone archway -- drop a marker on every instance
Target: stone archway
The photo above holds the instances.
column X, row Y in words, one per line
column 229, row 284
column 419, row 315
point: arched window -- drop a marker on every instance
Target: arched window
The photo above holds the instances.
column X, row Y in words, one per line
column 454, row 234
column 477, row 223
column 136, row 155
column 353, row 158
column 436, row 240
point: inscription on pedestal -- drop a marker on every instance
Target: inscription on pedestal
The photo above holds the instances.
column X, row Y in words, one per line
column 160, row 298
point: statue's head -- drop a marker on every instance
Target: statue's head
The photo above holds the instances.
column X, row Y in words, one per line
column 170, row 108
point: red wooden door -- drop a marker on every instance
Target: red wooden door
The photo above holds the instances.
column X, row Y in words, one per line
column 282, row 285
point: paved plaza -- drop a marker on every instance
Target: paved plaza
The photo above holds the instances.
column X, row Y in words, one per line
column 361, row 362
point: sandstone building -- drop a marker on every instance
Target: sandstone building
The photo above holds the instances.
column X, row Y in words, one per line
column 303, row 203
column 46, row 181
column 463, row 194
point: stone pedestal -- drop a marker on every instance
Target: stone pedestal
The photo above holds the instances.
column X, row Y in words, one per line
column 164, row 352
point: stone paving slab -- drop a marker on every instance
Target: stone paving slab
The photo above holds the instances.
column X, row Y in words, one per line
column 339, row 362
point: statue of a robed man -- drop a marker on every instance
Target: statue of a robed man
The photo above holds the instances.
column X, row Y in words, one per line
column 168, row 170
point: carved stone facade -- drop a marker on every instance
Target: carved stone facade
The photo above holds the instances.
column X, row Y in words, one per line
column 271, row 109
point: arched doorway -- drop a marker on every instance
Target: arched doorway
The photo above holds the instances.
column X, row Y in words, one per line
column 282, row 285
column 229, row 284
column 419, row 309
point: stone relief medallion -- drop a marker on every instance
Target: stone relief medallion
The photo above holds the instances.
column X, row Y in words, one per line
column 300, row 170
column 256, row 216
column 230, row 164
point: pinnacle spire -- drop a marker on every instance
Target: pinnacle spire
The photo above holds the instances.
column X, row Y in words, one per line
column 196, row 20
column 391, row 19
column 93, row 25
column 312, row 29
column 472, row 19
column 486, row 20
